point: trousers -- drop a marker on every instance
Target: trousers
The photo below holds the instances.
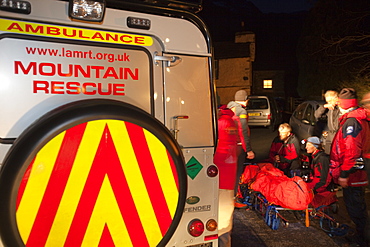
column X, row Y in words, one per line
column 354, row 199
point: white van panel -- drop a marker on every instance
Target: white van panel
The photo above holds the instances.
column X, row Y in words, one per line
column 34, row 74
column 178, row 35
column 187, row 94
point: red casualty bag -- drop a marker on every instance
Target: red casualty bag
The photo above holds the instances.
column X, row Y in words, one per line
column 294, row 194
column 249, row 173
column 278, row 189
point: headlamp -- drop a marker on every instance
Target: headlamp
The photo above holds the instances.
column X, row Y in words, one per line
column 87, row 10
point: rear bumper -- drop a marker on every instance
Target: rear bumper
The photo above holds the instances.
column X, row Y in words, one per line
column 259, row 123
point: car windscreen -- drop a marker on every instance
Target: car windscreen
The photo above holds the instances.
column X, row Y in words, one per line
column 299, row 112
column 257, row 104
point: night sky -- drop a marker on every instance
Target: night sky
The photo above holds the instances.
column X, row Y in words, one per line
column 276, row 23
column 282, row 6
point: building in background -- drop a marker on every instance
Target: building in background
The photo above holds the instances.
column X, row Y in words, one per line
column 233, row 61
column 269, row 83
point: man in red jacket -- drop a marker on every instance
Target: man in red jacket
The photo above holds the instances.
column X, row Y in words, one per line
column 349, row 145
column 284, row 150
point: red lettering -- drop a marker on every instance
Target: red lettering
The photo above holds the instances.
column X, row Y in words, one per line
column 109, row 37
column 100, row 89
column 139, row 40
column 122, row 38
column 56, row 86
column 88, row 84
column 53, row 30
column 44, row 72
column 83, row 72
column 67, row 74
column 97, row 35
column 19, row 65
column 38, row 29
column 97, row 70
column 73, row 34
column 128, row 71
column 40, row 86
column 73, row 88
column 118, row 89
column 15, row 26
column 110, row 73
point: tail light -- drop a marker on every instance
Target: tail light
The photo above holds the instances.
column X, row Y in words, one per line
column 196, row 228
column 269, row 116
column 212, row 171
column 211, row 225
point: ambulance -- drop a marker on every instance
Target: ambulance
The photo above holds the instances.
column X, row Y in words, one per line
column 107, row 124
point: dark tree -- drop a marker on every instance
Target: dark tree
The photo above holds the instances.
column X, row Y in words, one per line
column 335, row 45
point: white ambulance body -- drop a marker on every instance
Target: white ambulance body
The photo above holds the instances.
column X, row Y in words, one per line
column 107, row 127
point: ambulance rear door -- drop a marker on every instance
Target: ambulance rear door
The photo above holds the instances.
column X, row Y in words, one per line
column 188, row 114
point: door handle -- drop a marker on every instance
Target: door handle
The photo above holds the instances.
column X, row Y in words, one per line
column 175, row 129
column 169, row 61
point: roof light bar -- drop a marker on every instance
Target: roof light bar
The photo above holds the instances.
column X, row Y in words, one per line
column 16, row 6
column 87, row 10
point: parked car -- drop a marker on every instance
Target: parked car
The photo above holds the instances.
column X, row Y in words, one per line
column 263, row 111
column 303, row 121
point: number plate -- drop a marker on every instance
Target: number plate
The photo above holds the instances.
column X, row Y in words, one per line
column 202, row 245
column 254, row 114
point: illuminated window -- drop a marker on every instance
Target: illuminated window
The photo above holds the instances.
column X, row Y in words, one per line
column 267, row 83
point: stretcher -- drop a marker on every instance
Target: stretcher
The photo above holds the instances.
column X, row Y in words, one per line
column 274, row 218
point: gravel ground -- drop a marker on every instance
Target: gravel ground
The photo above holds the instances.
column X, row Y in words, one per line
column 250, row 229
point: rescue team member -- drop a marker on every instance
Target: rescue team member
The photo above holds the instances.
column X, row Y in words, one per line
column 244, row 145
column 331, row 111
column 226, row 160
column 319, row 178
column 365, row 104
column 349, row 145
column 284, row 150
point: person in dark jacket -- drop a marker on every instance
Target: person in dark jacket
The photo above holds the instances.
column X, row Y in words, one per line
column 244, row 148
column 284, row 150
column 319, row 178
column 331, row 112
column 349, row 146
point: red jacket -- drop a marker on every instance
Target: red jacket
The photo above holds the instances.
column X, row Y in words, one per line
column 241, row 121
column 348, row 145
column 225, row 156
column 288, row 151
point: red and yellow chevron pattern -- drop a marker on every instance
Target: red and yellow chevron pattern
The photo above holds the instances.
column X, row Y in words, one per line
column 101, row 183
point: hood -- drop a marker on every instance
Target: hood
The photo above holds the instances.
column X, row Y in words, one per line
column 225, row 111
column 232, row 104
column 359, row 113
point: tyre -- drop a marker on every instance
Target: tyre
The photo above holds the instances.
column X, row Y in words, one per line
column 89, row 165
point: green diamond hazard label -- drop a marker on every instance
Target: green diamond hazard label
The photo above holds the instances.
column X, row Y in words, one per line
column 193, row 167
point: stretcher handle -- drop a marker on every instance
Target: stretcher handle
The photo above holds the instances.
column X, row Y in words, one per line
column 307, row 221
